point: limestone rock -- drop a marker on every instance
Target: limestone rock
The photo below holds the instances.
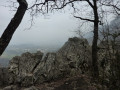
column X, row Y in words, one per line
column 25, row 63
column 47, row 69
column 75, row 54
column 21, row 67
column 73, row 58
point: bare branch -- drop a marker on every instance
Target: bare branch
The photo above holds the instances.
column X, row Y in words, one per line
column 65, row 4
column 35, row 5
column 90, row 3
column 84, row 19
column 114, row 6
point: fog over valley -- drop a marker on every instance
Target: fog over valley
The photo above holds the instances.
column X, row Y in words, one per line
column 48, row 32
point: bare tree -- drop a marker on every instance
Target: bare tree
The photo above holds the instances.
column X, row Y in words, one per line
column 12, row 26
column 61, row 4
column 110, row 53
column 114, row 4
column 95, row 21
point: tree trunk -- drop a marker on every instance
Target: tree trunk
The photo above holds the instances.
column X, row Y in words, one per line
column 94, row 44
column 14, row 23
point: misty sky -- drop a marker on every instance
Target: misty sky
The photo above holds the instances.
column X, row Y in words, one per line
column 50, row 29
column 55, row 30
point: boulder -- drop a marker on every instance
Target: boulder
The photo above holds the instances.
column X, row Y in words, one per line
column 22, row 67
column 73, row 58
column 75, row 54
column 47, row 69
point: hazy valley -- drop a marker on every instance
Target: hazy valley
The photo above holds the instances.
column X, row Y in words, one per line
column 17, row 50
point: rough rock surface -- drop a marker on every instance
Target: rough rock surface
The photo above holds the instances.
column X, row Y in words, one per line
column 22, row 67
column 11, row 87
column 72, row 59
column 80, row 82
column 32, row 88
column 25, row 63
column 75, row 54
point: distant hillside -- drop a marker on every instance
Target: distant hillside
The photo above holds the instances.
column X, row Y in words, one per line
column 4, row 62
column 17, row 50
column 114, row 27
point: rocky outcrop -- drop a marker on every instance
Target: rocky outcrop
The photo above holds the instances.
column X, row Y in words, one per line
column 21, row 67
column 26, row 63
column 73, row 58
column 32, row 68
column 75, row 54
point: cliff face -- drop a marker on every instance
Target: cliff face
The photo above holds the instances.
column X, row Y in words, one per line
column 32, row 68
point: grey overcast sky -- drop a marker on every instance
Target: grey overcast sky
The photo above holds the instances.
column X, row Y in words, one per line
column 55, row 30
